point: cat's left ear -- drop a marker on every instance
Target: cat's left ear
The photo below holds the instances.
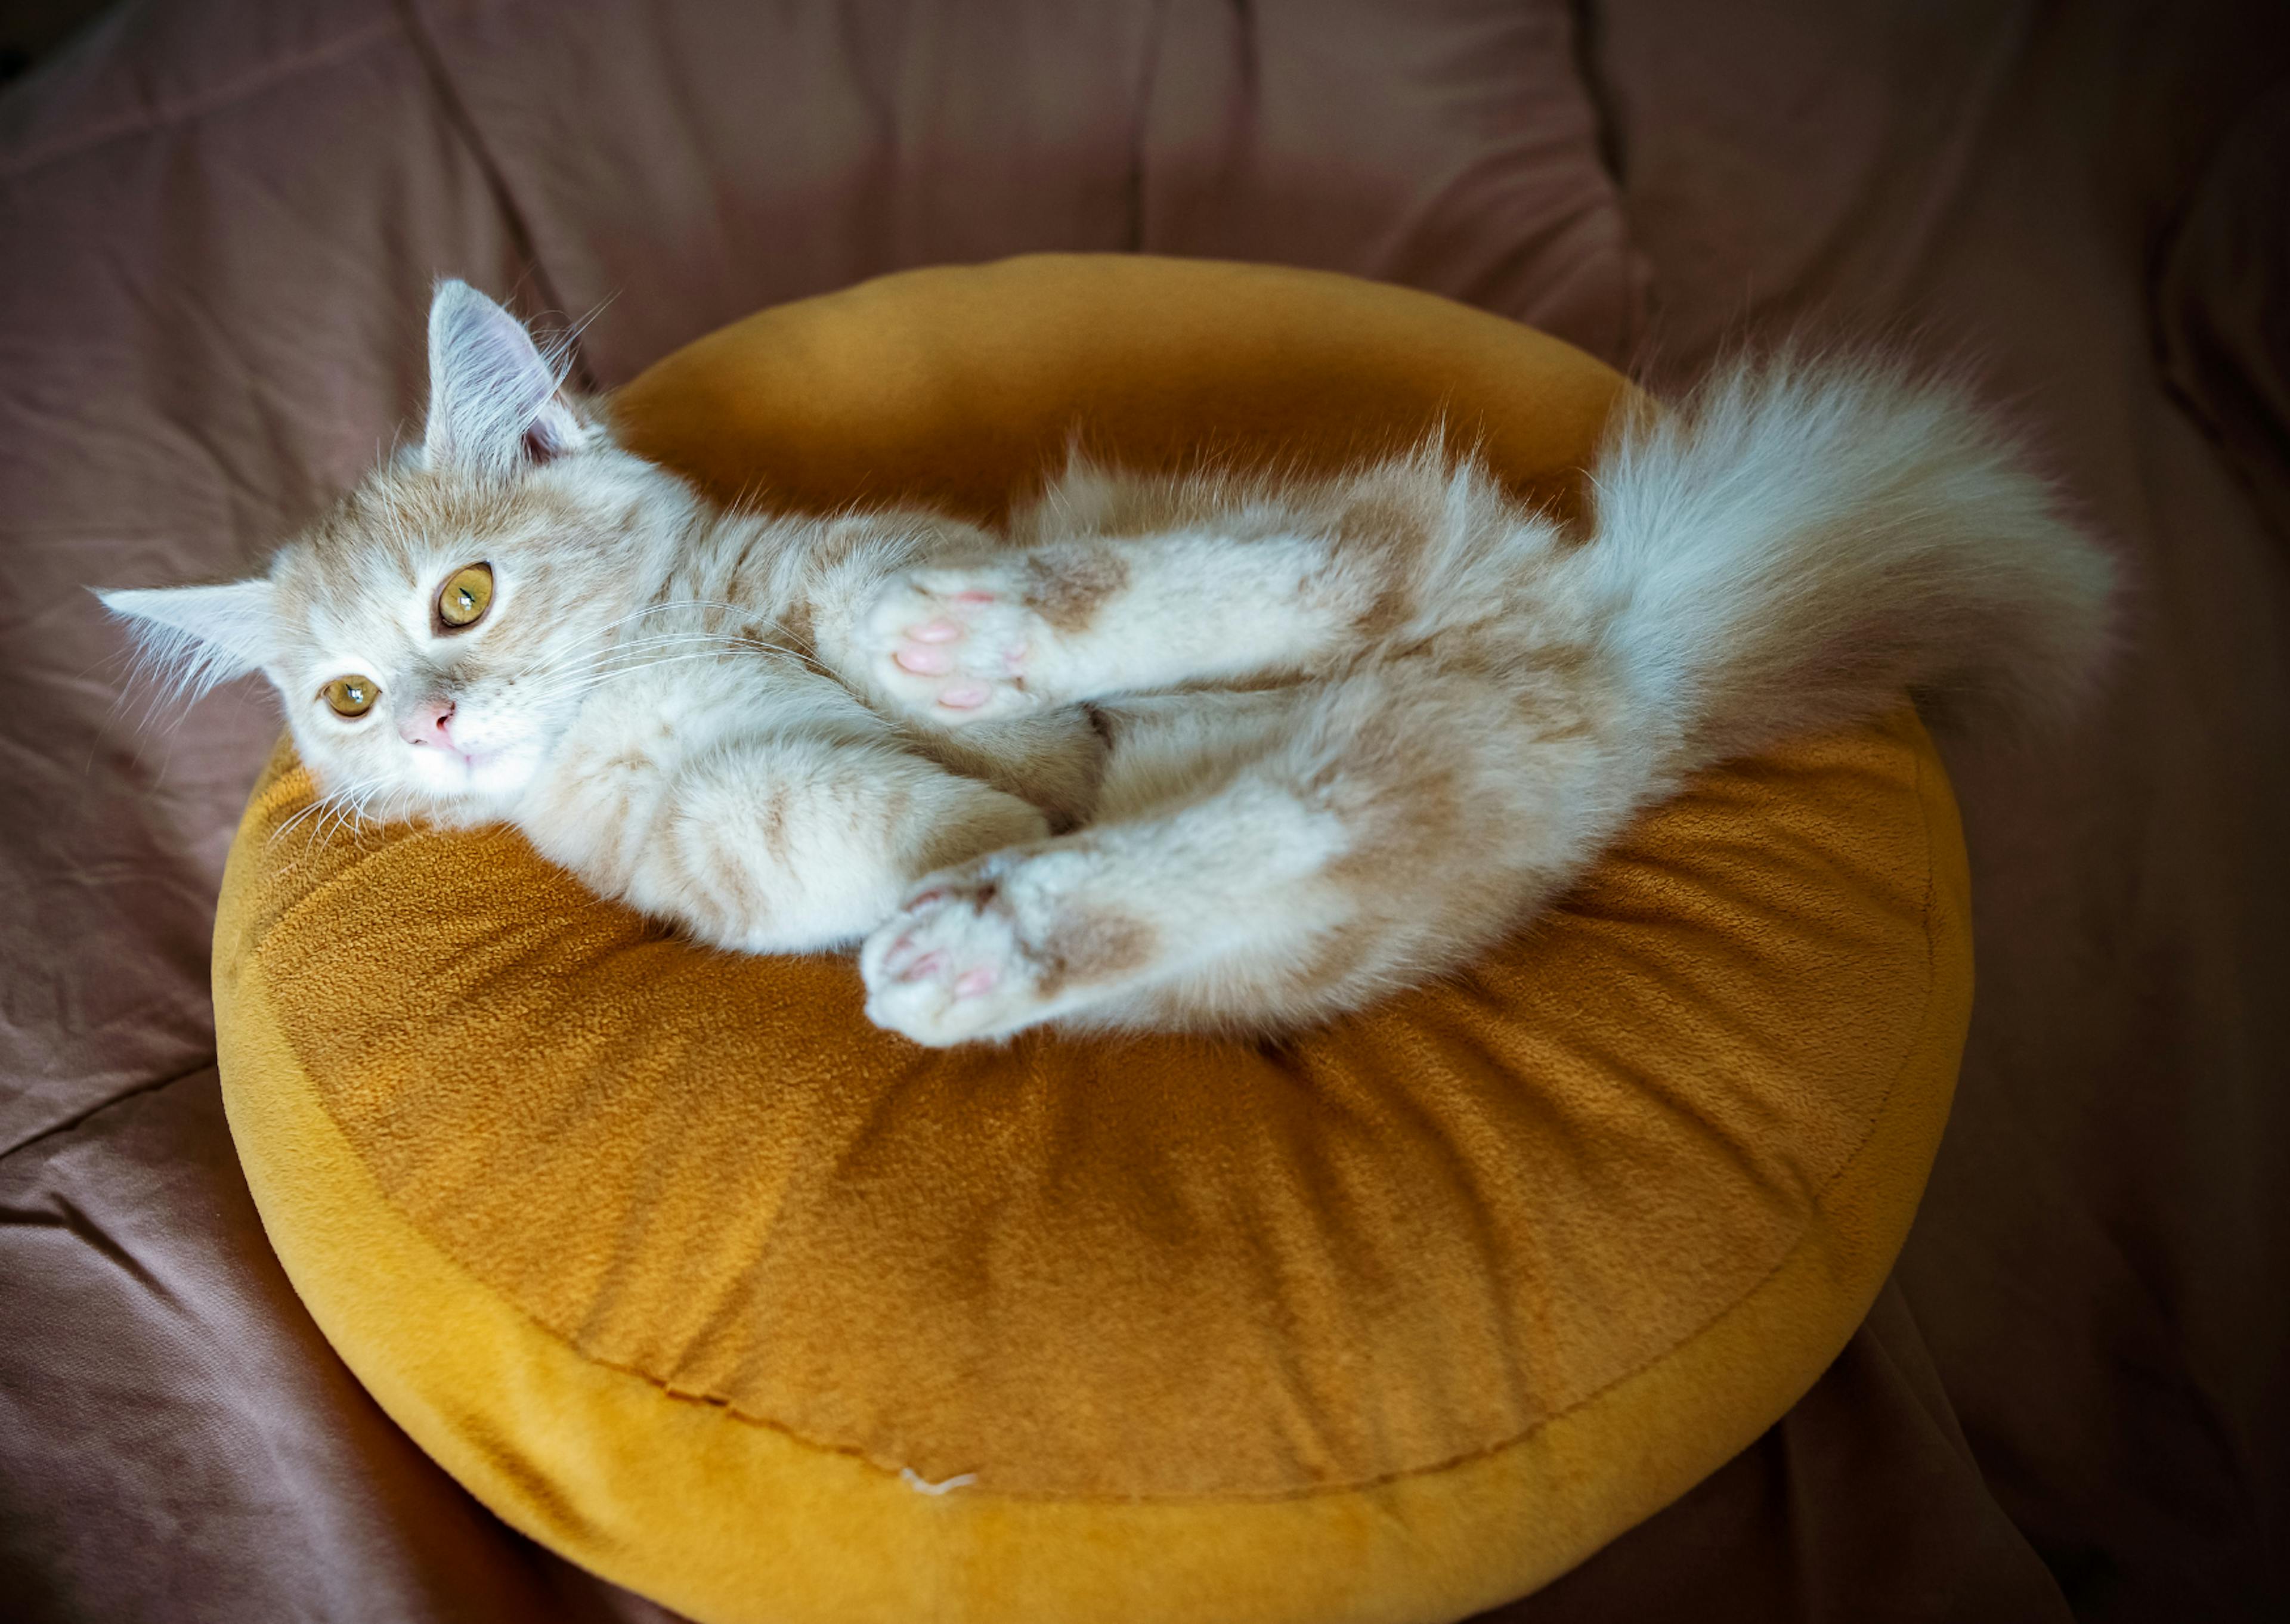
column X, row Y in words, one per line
column 197, row 637
column 496, row 404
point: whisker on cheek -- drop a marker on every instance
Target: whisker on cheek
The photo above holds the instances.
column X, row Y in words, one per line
column 604, row 651
column 713, row 649
column 583, row 683
column 591, row 657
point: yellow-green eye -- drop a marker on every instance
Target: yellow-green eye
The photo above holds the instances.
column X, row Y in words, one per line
column 467, row 594
column 351, row 696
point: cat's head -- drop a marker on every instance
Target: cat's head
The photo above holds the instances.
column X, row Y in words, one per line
column 429, row 635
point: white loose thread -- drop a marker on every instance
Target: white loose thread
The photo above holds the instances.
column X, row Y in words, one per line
column 921, row 1485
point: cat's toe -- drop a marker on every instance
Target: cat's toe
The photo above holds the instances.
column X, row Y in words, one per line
column 946, row 968
column 950, row 648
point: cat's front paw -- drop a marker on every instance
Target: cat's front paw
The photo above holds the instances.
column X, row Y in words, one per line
column 955, row 646
column 950, row 966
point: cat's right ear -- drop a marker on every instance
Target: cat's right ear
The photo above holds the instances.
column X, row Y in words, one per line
column 197, row 637
column 496, row 403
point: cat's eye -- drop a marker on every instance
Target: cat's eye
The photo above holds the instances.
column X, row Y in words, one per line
column 350, row 696
column 465, row 597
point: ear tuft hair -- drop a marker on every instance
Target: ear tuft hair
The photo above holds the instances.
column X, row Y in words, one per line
column 496, row 403
column 192, row 637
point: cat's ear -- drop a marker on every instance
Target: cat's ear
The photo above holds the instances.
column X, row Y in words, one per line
column 496, row 403
column 197, row 637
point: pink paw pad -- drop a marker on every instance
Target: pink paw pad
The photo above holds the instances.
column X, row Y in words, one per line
column 948, row 967
column 956, row 652
column 905, row 963
column 925, row 661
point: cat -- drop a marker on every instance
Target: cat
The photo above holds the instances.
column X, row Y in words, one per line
column 1213, row 751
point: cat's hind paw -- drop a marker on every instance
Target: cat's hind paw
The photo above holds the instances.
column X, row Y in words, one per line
column 950, row 966
column 955, row 645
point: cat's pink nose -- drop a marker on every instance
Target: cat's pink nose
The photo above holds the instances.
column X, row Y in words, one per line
column 425, row 723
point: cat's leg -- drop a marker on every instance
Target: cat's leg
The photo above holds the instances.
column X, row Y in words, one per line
column 1082, row 620
column 785, row 843
column 1269, row 867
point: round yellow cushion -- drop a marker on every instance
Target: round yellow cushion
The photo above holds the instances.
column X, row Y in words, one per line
column 694, row 1275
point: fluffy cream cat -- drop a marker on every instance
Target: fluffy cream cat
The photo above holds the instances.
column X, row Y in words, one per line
column 1210, row 751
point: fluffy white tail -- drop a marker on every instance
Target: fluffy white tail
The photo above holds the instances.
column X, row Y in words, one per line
column 1797, row 543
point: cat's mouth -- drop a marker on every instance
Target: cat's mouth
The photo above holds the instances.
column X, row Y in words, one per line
column 452, row 757
column 494, row 770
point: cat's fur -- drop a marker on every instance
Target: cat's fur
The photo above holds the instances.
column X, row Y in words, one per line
column 1339, row 735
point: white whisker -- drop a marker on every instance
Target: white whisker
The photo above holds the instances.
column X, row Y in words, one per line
column 587, row 682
